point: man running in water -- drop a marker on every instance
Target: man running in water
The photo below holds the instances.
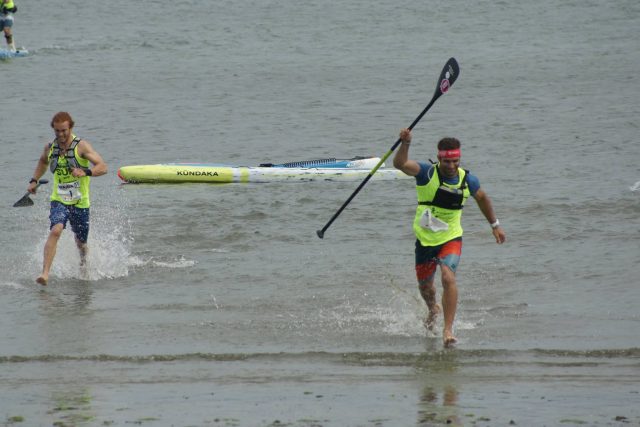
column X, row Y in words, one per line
column 442, row 191
column 73, row 162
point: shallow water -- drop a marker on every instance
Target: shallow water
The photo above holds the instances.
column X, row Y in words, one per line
column 218, row 305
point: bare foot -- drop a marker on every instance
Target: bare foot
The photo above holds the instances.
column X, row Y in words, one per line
column 84, row 272
column 430, row 321
column 449, row 339
column 42, row 280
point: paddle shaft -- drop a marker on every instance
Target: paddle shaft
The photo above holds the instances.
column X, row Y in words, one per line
column 448, row 76
column 320, row 233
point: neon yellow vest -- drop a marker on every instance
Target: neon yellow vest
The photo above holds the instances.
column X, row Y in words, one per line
column 8, row 5
column 68, row 189
column 447, row 207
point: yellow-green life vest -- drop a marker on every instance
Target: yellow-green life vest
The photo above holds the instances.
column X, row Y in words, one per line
column 9, row 6
column 445, row 202
column 68, row 189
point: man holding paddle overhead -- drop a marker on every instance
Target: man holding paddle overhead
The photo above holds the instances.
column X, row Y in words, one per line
column 72, row 161
column 442, row 191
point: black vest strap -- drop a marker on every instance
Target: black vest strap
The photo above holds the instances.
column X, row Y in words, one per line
column 445, row 197
column 70, row 155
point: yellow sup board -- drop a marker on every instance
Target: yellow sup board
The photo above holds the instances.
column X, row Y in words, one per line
column 322, row 170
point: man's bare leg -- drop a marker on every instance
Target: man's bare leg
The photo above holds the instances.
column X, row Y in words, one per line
column 428, row 292
column 9, row 38
column 83, row 248
column 449, row 304
column 49, row 253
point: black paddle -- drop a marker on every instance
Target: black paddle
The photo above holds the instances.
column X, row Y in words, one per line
column 25, row 200
column 448, row 76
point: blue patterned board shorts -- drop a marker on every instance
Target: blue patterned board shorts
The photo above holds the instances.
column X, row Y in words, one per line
column 77, row 217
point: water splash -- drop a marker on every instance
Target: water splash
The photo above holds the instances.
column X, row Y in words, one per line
column 110, row 240
column 635, row 186
column 14, row 285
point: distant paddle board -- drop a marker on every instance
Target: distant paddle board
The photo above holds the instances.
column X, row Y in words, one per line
column 18, row 53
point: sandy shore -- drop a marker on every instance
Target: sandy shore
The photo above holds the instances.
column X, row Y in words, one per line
column 321, row 389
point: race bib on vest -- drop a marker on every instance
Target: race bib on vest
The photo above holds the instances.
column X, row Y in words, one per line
column 69, row 191
column 430, row 222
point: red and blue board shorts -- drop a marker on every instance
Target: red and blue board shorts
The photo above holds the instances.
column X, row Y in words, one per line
column 429, row 257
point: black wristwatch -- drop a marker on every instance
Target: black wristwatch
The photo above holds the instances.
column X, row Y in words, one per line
column 88, row 172
column 33, row 180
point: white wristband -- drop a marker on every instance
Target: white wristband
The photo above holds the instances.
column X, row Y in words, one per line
column 495, row 224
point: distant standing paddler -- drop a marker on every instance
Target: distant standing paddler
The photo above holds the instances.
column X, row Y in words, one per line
column 72, row 161
column 7, row 9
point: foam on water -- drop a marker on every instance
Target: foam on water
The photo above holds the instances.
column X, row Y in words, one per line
column 109, row 257
column 401, row 316
column 14, row 285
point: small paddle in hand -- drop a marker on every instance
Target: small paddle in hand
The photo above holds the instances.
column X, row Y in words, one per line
column 448, row 76
column 26, row 200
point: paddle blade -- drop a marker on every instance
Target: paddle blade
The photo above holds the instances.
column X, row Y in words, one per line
column 448, row 76
column 24, row 201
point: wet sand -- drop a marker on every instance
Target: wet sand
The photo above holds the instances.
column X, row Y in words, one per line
column 449, row 387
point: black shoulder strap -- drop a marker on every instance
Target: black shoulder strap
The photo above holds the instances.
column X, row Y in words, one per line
column 464, row 180
column 437, row 173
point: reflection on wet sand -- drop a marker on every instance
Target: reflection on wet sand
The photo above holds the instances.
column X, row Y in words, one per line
column 65, row 308
column 71, row 406
column 439, row 399
column 439, row 406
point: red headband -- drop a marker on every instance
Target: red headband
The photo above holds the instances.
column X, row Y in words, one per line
column 449, row 154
